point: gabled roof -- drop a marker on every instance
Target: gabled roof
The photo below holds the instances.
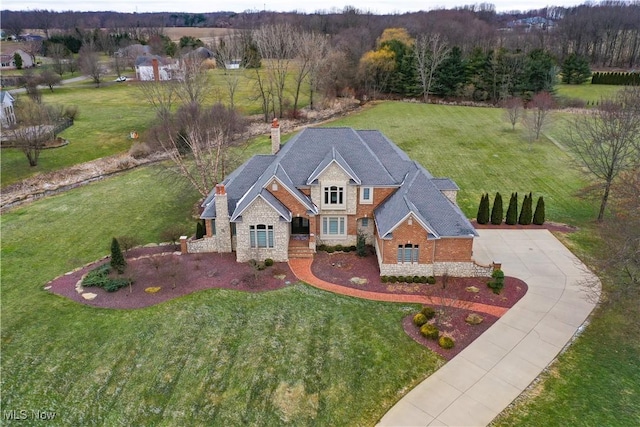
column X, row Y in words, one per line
column 263, row 194
column 420, row 197
column 333, row 157
column 6, row 96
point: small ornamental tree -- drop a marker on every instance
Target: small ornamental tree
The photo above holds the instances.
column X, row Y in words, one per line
column 118, row 262
column 512, row 210
column 538, row 216
column 200, row 230
column 483, row 209
column 17, row 59
column 526, row 214
column 496, row 211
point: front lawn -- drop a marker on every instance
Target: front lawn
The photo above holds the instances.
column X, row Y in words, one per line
column 294, row 356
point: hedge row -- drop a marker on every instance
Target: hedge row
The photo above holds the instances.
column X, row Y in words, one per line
column 615, row 79
column 336, row 248
column 408, row 279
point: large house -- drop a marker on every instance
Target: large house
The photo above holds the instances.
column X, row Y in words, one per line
column 327, row 186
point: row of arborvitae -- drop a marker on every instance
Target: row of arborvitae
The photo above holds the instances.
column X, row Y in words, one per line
column 615, row 78
column 429, row 330
column 408, row 279
column 495, row 214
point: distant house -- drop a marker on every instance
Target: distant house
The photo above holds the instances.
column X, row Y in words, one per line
column 7, row 59
column 233, row 64
column 154, row 67
column 327, row 186
column 7, row 114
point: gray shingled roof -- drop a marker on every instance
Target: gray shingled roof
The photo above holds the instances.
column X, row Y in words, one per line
column 369, row 158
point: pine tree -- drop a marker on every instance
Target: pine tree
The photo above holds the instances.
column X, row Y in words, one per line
column 118, row 262
column 200, row 230
column 496, row 211
column 512, row 210
column 526, row 213
column 575, row 69
column 483, row 210
column 538, row 216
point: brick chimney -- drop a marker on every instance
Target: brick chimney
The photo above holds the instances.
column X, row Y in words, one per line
column 275, row 136
column 223, row 226
column 156, row 69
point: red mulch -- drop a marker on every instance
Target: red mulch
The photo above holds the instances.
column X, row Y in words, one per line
column 176, row 275
column 340, row 267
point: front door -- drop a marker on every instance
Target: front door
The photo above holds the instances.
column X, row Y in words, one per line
column 300, row 225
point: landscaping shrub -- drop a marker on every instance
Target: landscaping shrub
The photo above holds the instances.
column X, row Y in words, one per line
column 361, row 248
column 118, row 262
column 393, row 279
column 428, row 312
column 483, row 210
column 171, row 234
column 512, row 210
column 474, row 319
column 429, row 331
column 353, row 248
column 322, row 248
column 268, row 262
column 71, row 112
column 139, row 150
column 424, row 279
column 384, row 279
column 99, row 277
column 339, row 248
column 416, row 279
column 330, row 249
column 128, row 242
column 538, row 216
column 420, row 319
column 431, row 280
column 496, row 211
column 446, row 342
column 526, row 214
column 401, row 279
column 497, row 283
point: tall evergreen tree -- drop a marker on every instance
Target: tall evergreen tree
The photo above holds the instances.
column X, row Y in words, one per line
column 451, row 75
column 575, row 69
column 483, row 210
column 538, row 216
column 118, row 262
column 496, row 211
column 512, row 210
column 526, row 214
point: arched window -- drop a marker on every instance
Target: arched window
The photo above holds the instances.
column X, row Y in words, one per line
column 261, row 236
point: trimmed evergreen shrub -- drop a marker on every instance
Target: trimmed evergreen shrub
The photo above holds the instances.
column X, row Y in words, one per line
column 393, row 279
column 428, row 312
column 483, row 210
column 496, row 211
column 200, row 230
column 384, row 279
column 118, row 262
column 99, row 277
column 338, row 248
column 526, row 214
column 268, row 262
column 538, row 216
column 497, row 283
column 512, row 210
column 416, row 279
column 361, row 247
column 401, row 279
column 420, row 319
column 431, row 280
column 423, row 279
column 446, row 342
column 429, row 331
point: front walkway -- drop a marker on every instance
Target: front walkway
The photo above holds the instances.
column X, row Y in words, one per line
column 476, row 385
column 301, row 268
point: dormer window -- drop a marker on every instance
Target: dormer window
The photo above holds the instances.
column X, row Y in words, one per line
column 366, row 195
column 333, row 197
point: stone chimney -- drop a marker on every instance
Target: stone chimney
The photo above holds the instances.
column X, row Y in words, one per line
column 223, row 226
column 156, row 69
column 275, row 136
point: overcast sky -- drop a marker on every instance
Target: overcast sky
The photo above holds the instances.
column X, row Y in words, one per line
column 309, row 6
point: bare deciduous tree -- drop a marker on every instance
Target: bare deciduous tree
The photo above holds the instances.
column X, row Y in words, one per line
column 312, row 50
column 606, row 141
column 430, row 51
column 513, row 110
column 89, row 62
column 34, row 128
column 60, row 56
column 536, row 116
column 277, row 46
column 196, row 139
column 230, row 50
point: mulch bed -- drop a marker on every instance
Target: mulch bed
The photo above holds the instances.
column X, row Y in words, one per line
column 341, row 268
column 176, row 275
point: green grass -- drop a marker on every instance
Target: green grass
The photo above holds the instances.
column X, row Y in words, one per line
column 295, row 356
column 478, row 150
column 586, row 92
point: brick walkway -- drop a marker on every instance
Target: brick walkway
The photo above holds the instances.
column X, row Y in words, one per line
column 302, row 270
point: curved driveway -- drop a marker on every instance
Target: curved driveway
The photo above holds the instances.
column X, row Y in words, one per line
column 475, row 386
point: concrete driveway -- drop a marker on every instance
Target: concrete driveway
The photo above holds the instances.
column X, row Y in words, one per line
column 475, row 386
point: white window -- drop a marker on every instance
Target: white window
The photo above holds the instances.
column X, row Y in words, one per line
column 333, row 196
column 366, row 195
column 408, row 254
column 261, row 236
column 333, row 226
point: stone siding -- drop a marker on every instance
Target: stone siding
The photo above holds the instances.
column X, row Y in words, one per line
column 260, row 212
